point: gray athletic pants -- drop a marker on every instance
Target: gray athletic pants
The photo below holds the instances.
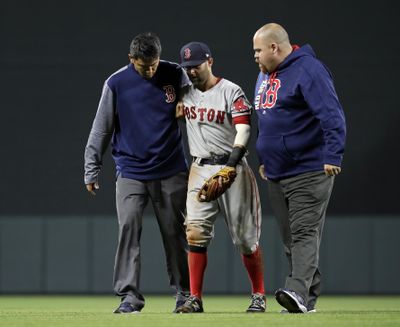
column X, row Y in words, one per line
column 299, row 204
column 168, row 197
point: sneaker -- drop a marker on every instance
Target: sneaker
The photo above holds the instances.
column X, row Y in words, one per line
column 126, row 307
column 291, row 301
column 180, row 300
column 192, row 305
column 257, row 303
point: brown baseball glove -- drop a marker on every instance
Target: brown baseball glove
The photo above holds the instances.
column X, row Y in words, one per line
column 217, row 184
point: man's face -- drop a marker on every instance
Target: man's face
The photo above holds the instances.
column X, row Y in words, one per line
column 199, row 75
column 145, row 67
column 263, row 55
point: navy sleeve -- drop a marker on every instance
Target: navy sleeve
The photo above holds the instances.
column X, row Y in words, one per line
column 319, row 93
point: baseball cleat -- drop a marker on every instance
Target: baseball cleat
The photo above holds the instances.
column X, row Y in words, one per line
column 291, row 301
column 258, row 303
column 180, row 300
column 126, row 307
column 192, row 305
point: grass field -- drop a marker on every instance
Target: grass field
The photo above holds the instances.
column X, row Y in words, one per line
column 76, row 311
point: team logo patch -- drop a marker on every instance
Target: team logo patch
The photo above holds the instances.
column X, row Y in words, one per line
column 187, row 53
column 267, row 94
column 170, row 93
column 240, row 105
column 271, row 95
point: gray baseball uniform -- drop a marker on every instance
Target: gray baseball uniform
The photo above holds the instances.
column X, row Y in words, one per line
column 209, row 120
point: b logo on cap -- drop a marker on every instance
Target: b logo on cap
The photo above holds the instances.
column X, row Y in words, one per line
column 187, row 53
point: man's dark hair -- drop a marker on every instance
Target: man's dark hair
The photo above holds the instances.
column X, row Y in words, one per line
column 145, row 45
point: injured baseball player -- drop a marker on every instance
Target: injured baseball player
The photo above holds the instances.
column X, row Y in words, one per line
column 217, row 115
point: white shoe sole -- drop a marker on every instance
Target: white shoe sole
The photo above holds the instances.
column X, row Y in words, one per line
column 290, row 302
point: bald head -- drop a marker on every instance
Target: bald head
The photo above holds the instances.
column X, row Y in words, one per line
column 273, row 33
column 271, row 46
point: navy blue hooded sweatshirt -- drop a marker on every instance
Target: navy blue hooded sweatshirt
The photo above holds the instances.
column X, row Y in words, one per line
column 301, row 123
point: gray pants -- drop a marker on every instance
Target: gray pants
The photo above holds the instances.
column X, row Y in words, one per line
column 299, row 204
column 168, row 197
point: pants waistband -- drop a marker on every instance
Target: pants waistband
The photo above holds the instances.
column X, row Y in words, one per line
column 217, row 160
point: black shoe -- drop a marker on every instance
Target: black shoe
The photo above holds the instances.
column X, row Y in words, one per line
column 291, row 301
column 258, row 303
column 192, row 305
column 180, row 300
column 126, row 307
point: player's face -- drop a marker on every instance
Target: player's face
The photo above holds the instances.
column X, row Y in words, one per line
column 199, row 75
column 263, row 55
column 145, row 67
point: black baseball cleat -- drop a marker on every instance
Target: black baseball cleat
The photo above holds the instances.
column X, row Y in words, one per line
column 180, row 300
column 258, row 303
column 284, row 311
column 192, row 305
column 291, row 301
column 126, row 307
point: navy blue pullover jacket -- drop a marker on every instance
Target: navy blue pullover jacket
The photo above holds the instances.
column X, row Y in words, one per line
column 138, row 116
column 301, row 123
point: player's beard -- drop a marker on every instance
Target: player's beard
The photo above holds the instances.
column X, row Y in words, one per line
column 196, row 81
column 263, row 69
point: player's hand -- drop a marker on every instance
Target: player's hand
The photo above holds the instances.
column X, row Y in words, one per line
column 91, row 187
column 331, row 170
column 179, row 110
column 261, row 171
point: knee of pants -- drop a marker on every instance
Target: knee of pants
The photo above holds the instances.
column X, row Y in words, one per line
column 129, row 220
column 299, row 227
column 197, row 236
column 303, row 233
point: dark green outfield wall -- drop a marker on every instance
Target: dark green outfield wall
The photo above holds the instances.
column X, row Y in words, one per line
column 74, row 254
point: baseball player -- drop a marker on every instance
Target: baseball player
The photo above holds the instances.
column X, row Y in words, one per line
column 217, row 116
column 137, row 110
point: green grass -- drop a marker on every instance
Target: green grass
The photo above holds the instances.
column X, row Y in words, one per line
column 76, row 311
